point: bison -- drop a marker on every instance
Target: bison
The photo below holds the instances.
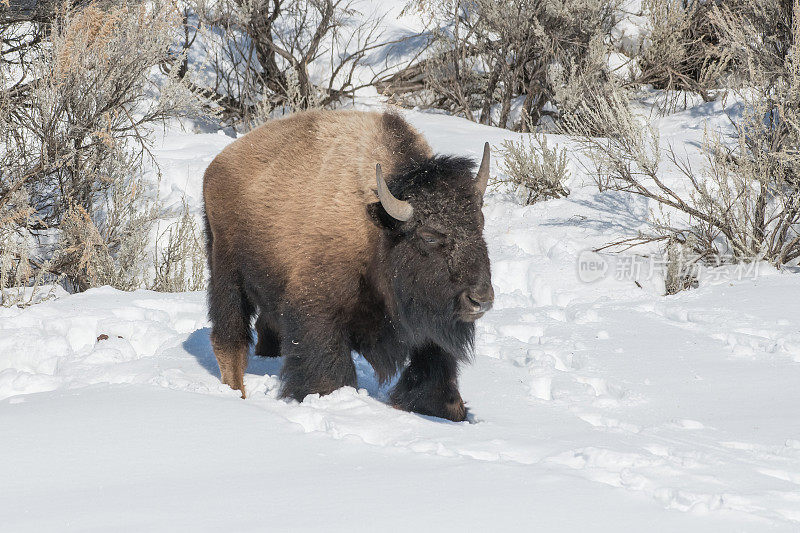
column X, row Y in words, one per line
column 344, row 232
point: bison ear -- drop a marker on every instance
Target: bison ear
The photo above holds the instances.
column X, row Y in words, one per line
column 378, row 215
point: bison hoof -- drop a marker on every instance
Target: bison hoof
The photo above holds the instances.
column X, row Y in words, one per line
column 235, row 384
column 239, row 390
column 456, row 410
column 442, row 404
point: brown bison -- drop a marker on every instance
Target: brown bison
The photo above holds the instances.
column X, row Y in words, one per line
column 344, row 232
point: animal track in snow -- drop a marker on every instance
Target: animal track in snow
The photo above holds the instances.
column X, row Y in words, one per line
column 684, row 423
column 542, row 388
column 601, row 421
column 523, row 332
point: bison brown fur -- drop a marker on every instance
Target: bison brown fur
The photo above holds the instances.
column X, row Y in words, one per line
column 300, row 232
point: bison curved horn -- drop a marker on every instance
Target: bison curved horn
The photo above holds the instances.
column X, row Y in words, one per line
column 395, row 207
column 482, row 178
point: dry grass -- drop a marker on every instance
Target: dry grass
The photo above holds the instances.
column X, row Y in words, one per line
column 180, row 263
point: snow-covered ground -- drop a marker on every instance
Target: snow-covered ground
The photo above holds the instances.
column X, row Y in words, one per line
column 596, row 407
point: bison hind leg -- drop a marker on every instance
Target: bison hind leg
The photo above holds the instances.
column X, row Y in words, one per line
column 230, row 312
column 269, row 343
column 232, row 361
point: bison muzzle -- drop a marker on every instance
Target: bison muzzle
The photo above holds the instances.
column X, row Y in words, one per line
column 343, row 232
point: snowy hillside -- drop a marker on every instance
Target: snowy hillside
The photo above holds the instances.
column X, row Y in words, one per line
column 596, row 407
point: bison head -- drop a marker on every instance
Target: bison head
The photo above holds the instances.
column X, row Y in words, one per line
column 433, row 243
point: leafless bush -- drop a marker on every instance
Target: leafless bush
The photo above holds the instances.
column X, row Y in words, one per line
column 180, row 263
column 76, row 131
column 681, row 267
column 508, row 52
column 535, row 170
column 19, row 284
column 266, row 56
column 742, row 205
column 757, row 37
column 682, row 51
column 700, row 46
column 111, row 249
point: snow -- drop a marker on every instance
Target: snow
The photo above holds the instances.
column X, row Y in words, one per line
column 596, row 406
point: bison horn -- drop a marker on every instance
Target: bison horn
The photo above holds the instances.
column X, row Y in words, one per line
column 395, row 207
column 482, row 177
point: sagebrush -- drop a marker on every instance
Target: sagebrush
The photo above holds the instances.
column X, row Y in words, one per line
column 681, row 51
column 535, row 171
column 743, row 204
column 76, row 129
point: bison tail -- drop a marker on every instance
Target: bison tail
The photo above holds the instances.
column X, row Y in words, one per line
column 209, row 238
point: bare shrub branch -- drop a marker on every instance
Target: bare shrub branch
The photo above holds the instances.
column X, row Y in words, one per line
column 180, row 263
column 744, row 203
column 266, row 55
column 682, row 50
column 489, row 56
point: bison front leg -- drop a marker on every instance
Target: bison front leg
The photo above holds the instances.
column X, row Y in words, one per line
column 429, row 385
column 316, row 357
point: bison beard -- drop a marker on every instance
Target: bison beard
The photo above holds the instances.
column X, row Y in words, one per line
column 425, row 279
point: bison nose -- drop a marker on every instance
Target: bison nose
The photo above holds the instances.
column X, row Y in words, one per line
column 481, row 298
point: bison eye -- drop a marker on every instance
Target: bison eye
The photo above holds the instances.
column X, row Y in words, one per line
column 430, row 237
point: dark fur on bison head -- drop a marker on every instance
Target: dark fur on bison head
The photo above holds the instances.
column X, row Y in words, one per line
column 438, row 260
